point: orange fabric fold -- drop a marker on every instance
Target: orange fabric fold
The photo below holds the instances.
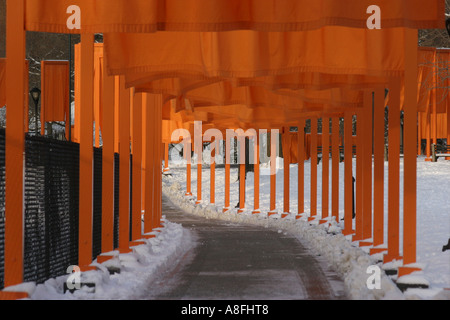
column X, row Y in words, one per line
column 223, row 93
column 102, row 16
column 249, row 54
column 261, row 117
column 308, row 80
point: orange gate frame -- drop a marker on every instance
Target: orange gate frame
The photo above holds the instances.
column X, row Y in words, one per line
column 15, row 147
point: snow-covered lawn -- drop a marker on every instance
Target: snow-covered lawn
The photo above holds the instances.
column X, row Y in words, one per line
column 433, row 222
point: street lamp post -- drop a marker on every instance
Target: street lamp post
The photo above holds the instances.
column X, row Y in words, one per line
column 35, row 95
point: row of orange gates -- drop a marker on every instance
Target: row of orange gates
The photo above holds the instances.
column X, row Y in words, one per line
column 162, row 70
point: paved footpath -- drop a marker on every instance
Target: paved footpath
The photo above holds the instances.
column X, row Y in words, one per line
column 244, row 262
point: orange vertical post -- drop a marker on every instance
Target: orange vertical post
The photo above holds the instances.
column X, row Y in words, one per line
column 187, row 154
column 212, row 169
column 241, row 141
column 158, row 166
column 160, row 173
column 107, row 162
column 86, row 150
column 136, row 167
column 428, row 134
column 157, row 147
column 325, row 165
column 97, row 98
column 335, row 158
column 77, row 75
column 227, row 174
column 367, row 166
column 434, row 123
column 198, row 149
column 149, row 104
column 378, row 167
column 199, row 182
column 313, row 151
column 394, row 170
column 448, row 116
column 241, row 187
column 359, row 175
column 166, row 157
column 273, row 171
column 286, row 172
column 256, row 175
column 419, row 133
column 15, row 143
column 143, row 149
column 410, row 155
column 116, row 113
column 348, row 174
column 227, row 187
column 124, row 167
column 301, row 166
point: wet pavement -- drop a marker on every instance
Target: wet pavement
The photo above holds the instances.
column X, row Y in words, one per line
column 243, row 262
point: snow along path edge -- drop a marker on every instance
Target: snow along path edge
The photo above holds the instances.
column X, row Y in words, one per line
column 137, row 269
column 349, row 261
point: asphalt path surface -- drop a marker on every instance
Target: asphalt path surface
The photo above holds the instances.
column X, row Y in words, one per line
column 243, row 262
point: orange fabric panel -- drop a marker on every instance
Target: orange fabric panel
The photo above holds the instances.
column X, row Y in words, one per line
column 248, row 54
column 222, row 15
column 55, row 90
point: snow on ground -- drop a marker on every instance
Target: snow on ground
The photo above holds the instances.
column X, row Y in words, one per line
column 137, row 269
column 352, row 262
column 433, row 224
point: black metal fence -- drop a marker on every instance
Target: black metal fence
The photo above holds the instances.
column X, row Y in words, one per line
column 51, row 207
column 51, row 195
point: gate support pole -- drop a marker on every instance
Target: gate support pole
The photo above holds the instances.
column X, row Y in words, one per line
column 86, row 151
column 15, row 144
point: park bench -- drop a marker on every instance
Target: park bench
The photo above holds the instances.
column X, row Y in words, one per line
column 439, row 151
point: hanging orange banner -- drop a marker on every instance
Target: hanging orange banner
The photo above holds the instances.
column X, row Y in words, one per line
column 55, row 92
column 249, row 54
column 100, row 16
